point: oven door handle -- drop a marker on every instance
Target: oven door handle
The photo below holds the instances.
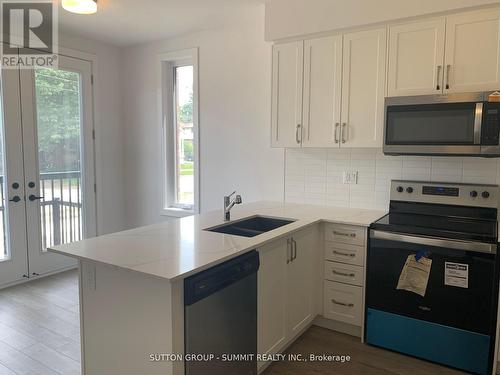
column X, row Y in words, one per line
column 479, row 247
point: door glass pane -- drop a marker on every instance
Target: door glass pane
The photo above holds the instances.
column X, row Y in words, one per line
column 443, row 124
column 4, row 248
column 58, row 105
column 184, row 188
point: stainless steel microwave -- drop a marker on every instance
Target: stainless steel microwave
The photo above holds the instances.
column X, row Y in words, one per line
column 456, row 124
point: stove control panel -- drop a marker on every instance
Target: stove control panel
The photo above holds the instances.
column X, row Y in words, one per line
column 446, row 193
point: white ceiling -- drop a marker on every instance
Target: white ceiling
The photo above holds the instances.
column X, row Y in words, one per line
column 126, row 22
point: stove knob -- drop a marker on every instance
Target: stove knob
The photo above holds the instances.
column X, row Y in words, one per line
column 399, row 189
column 485, row 194
column 409, row 190
column 473, row 194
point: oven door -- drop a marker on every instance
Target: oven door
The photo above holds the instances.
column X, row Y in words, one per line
column 420, row 125
column 451, row 324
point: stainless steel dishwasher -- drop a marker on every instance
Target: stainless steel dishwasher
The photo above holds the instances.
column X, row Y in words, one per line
column 220, row 317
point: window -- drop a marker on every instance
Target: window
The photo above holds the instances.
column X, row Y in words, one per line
column 180, row 125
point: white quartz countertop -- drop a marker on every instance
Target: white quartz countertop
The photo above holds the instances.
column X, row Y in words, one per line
column 178, row 248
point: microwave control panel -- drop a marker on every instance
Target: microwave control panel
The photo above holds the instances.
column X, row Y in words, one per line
column 490, row 127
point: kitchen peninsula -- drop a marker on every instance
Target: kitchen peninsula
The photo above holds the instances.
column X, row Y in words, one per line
column 131, row 282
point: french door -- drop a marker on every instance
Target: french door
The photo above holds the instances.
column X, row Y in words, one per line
column 47, row 186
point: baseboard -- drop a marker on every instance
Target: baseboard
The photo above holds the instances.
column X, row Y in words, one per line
column 27, row 280
column 334, row 325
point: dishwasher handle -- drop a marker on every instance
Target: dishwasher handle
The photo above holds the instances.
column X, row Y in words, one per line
column 208, row 282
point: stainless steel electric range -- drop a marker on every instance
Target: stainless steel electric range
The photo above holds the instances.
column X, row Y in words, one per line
column 432, row 274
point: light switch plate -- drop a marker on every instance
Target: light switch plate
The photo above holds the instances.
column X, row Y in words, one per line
column 350, row 177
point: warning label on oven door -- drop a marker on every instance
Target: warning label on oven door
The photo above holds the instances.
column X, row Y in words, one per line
column 456, row 274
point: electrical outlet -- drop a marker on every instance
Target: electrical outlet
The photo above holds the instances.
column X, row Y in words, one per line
column 350, row 177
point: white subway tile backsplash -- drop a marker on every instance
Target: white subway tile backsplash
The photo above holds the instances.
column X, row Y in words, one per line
column 315, row 175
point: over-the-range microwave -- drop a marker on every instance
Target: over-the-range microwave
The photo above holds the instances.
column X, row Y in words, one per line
column 465, row 124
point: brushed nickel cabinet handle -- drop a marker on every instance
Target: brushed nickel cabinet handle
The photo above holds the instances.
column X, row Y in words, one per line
column 342, row 303
column 288, row 253
column 335, row 132
column 343, row 274
column 351, row 255
column 438, row 87
column 297, row 133
column 342, row 132
column 344, row 234
column 448, row 68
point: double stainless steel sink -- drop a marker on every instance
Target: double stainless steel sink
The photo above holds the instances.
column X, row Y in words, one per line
column 251, row 226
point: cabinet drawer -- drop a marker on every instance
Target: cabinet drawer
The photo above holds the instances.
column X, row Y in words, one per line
column 344, row 253
column 345, row 273
column 343, row 303
column 345, row 234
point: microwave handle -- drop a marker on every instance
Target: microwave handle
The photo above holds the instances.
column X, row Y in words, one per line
column 478, row 119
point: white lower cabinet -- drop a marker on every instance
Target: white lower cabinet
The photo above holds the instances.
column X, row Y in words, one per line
column 286, row 289
column 271, row 306
column 344, row 273
column 344, row 253
column 300, row 281
column 343, row 303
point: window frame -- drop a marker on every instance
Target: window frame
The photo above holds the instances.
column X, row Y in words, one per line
column 168, row 63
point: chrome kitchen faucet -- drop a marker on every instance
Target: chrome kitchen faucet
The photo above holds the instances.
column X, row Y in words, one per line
column 228, row 204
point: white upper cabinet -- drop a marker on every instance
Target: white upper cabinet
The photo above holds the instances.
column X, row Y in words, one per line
column 363, row 88
column 329, row 91
column 416, row 55
column 288, row 67
column 322, row 91
column 472, row 57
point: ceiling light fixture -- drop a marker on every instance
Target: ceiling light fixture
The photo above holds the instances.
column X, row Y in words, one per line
column 80, row 6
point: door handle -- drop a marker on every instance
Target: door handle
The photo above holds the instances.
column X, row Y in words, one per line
column 343, row 274
column 351, row 255
column 438, row 87
column 33, row 197
column 342, row 132
column 448, row 68
column 297, row 129
column 294, row 250
column 342, row 303
column 335, row 132
column 15, row 199
column 344, row 234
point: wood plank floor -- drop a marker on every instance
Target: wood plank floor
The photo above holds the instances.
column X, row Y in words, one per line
column 39, row 335
column 40, row 328
column 365, row 359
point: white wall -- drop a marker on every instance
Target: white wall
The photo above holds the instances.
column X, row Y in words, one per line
column 109, row 132
column 315, row 175
column 289, row 18
column 234, row 84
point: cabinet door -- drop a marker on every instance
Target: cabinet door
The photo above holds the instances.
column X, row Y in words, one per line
column 271, row 311
column 288, row 67
column 416, row 55
column 300, row 281
column 363, row 88
column 473, row 51
column 322, row 86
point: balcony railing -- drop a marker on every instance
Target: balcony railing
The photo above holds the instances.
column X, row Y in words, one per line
column 61, row 216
